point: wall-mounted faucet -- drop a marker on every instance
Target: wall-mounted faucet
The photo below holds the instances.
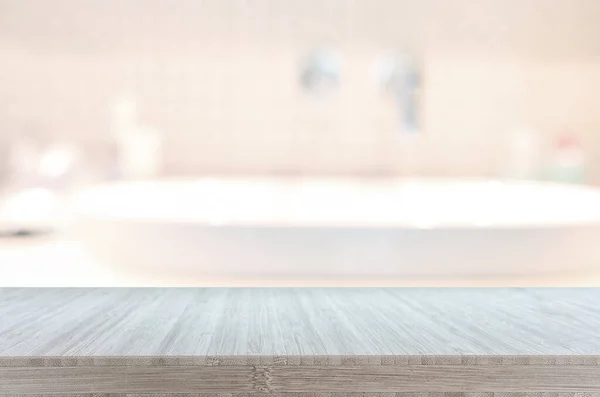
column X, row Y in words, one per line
column 320, row 71
column 400, row 76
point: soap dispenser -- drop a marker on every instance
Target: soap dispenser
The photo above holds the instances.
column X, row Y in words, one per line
column 568, row 163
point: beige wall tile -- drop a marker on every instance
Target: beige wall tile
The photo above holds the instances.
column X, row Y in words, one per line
column 219, row 78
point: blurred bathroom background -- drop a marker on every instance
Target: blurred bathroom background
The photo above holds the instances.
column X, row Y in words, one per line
column 503, row 84
column 470, row 91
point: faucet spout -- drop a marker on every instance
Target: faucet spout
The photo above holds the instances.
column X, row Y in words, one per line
column 400, row 75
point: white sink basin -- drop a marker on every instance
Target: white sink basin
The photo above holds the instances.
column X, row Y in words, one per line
column 339, row 229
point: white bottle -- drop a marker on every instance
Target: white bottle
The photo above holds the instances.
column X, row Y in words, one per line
column 524, row 156
column 140, row 153
column 139, row 147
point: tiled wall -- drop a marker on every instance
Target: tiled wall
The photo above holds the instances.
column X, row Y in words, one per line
column 220, row 79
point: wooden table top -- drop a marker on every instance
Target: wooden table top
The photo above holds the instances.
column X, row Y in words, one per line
column 376, row 322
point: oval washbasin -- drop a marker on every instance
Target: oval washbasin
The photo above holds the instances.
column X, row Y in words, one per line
column 311, row 228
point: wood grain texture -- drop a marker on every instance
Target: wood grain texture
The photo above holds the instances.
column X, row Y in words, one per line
column 300, row 342
column 246, row 322
column 436, row 379
column 300, row 379
column 131, row 380
column 321, row 394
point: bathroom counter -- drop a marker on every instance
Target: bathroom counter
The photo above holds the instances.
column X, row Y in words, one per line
column 349, row 341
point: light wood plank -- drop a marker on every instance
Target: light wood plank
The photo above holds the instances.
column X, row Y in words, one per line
column 131, row 380
column 300, row 341
column 301, row 379
column 299, row 322
column 435, row 378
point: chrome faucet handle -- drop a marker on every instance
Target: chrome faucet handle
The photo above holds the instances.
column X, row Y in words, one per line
column 320, row 71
